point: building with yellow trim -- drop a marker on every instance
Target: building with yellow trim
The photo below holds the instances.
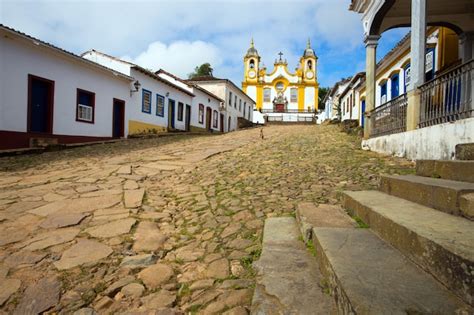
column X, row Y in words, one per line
column 282, row 95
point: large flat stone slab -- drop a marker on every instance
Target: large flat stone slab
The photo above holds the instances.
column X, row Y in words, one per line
column 78, row 205
column 84, row 252
column 148, row 237
column 50, row 238
column 61, row 220
column 8, row 287
column 443, row 244
column 112, row 229
column 368, row 276
column 309, row 216
column 40, row 296
column 287, row 275
column 133, row 198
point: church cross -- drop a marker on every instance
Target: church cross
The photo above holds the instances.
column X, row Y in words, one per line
column 281, row 54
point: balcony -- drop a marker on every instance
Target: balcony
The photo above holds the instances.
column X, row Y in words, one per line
column 448, row 97
column 287, row 111
column 390, row 117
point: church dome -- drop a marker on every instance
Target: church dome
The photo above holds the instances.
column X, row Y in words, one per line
column 309, row 52
column 252, row 52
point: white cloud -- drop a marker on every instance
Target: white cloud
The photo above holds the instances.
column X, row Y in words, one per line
column 179, row 57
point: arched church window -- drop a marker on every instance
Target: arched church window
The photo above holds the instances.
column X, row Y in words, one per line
column 252, row 64
column 280, row 86
column 310, row 65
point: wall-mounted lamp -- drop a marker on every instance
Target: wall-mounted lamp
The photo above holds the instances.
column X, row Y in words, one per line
column 137, row 86
column 167, row 94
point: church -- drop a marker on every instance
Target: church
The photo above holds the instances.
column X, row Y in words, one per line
column 282, row 95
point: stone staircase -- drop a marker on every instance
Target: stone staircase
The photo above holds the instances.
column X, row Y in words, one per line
column 415, row 257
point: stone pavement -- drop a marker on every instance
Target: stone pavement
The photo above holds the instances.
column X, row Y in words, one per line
column 172, row 224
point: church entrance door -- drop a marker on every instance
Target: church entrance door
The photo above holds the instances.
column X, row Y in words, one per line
column 280, row 108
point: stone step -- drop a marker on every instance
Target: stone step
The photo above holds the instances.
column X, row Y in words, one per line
column 453, row 170
column 309, row 215
column 464, row 151
column 288, row 278
column 440, row 243
column 368, row 276
column 441, row 194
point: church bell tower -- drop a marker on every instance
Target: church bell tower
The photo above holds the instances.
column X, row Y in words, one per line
column 251, row 62
column 308, row 63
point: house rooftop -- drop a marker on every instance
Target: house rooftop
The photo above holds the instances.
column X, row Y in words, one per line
column 69, row 54
column 190, row 84
column 212, row 79
column 158, row 78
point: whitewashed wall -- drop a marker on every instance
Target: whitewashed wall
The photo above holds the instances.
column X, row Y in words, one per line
column 156, row 87
column 109, row 62
column 433, row 143
column 20, row 58
column 207, row 101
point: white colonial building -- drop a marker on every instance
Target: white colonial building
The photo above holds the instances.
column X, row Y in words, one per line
column 237, row 106
column 157, row 104
column 281, row 94
column 207, row 112
column 51, row 96
column 419, row 98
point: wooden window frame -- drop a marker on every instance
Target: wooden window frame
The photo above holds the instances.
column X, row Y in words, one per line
column 201, row 114
column 158, row 97
column 92, row 106
column 215, row 120
column 180, row 114
column 143, row 100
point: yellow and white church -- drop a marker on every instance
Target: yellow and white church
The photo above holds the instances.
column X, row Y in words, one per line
column 283, row 96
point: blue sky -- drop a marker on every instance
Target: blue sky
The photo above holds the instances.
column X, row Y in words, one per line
column 177, row 35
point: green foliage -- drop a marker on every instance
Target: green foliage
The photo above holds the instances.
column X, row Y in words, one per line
column 203, row 70
column 311, row 248
column 361, row 223
column 322, row 94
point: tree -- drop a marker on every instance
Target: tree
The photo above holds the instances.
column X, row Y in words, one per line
column 203, row 70
column 322, row 94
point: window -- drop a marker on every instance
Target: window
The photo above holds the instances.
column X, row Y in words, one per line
column 201, row 113
column 235, row 102
column 249, row 112
column 216, row 116
column 407, row 76
column 240, row 105
column 230, row 98
column 293, row 95
column 267, row 95
column 146, row 101
column 383, row 93
column 280, row 86
column 85, row 105
column 245, row 107
column 160, row 105
column 180, row 111
column 394, row 85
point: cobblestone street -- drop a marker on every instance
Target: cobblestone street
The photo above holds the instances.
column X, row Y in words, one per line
column 168, row 223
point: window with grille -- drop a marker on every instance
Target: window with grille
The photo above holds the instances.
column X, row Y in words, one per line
column 160, row 105
column 85, row 106
column 267, row 95
column 146, row 101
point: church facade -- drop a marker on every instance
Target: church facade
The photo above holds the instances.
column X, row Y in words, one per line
column 282, row 95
